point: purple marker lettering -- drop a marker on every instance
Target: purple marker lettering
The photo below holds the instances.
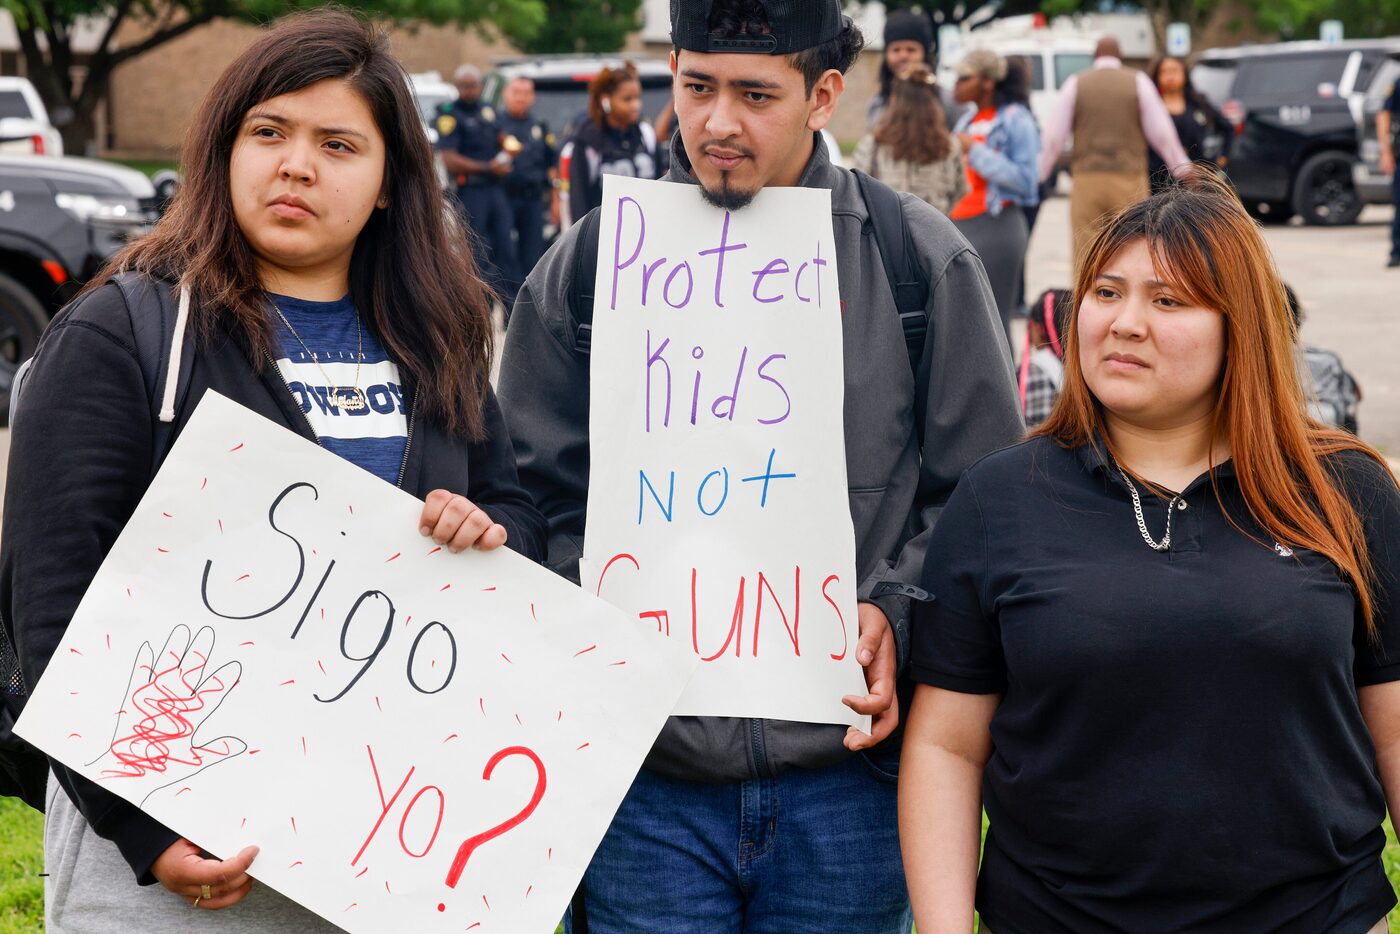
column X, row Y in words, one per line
column 777, row 267
column 718, row 252
column 732, row 400
column 788, row 399
column 819, row 263
column 649, row 270
column 654, row 357
column 797, row 284
column 698, row 352
column 617, row 243
column 689, row 286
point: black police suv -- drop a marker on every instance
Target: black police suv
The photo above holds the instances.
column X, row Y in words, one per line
column 61, row 218
column 1294, row 107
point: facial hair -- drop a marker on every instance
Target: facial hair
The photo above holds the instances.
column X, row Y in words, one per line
column 730, row 199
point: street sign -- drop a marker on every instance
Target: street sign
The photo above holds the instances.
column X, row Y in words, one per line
column 1330, row 31
column 1178, row 39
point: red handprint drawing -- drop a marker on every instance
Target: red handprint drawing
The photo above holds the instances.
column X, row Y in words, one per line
column 169, row 697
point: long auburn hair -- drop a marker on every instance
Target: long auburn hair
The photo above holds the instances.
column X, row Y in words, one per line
column 913, row 126
column 1204, row 243
column 605, row 84
column 411, row 273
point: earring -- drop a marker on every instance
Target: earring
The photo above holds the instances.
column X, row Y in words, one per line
column 606, row 104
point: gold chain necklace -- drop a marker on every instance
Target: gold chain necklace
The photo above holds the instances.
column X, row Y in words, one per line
column 346, row 398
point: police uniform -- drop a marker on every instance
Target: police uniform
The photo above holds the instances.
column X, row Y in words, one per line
column 525, row 187
column 470, row 129
column 1392, row 105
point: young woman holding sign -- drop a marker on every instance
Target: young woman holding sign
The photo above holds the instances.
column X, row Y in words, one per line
column 1165, row 635
column 320, row 283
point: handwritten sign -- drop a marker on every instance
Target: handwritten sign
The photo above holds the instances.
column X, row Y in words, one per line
column 417, row 740
column 717, row 502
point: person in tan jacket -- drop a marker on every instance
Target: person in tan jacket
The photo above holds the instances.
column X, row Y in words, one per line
column 1114, row 114
column 911, row 149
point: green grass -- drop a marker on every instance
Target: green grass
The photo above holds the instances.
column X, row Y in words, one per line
column 22, row 890
column 147, row 166
column 21, row 861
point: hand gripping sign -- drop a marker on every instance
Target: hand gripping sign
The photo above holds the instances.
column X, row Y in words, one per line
column 417, row 740
column 717, row 500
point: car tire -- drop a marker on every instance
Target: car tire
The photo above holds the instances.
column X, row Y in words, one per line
column 22, row 319
column 1269, row 212
column 1324, row 193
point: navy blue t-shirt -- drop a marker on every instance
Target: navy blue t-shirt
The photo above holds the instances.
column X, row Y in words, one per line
column 1179, row 744
column 372, row 437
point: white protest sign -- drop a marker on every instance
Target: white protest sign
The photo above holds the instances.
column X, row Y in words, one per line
column 717, row 501
column 420, row 741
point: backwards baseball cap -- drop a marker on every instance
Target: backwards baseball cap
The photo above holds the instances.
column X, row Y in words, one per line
column 794, row 26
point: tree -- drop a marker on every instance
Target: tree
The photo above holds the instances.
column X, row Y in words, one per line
column 47, row 29
column 581, row 26
column 1300, row 19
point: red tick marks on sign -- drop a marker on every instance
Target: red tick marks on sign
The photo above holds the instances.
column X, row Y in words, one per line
column 450, row 738
column 585, row 651
column 164, row 551
column 396, row 555
column 182, row 791
column 386, row 887
column 75, row 736
column 507, row 658
column 294, row 825
column 551, row 853
column 243, row 578
column 236, row 447
column 109, row 642
column 72, row 693
column 352, row 905
column 351, row 508
column 532, row 613
column 377, row 704
column 320, row 666
column 205, row 483
column 241, row 644
column 243, row 823
column 441, row 907
column 287, row 682
column 517, row 719
column 528, row 891
column 584, row 746
column 254, row 752
column 560, row 717
column 488, row 904
column 481, row 702
column 74, row 651
column 616, row 664
column 433, row 552
column 128, row 591
column 303, row 745
column 295, row 865
column 221, row 526
column 167, row 515
column 445, row 587
column 361, row 872
column 473, row 926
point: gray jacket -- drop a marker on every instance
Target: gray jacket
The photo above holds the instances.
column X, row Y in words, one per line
column 896, row 490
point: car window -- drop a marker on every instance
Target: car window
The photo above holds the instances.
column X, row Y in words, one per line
column 13, row 104
column 1037, row 63
column 1215, row 80
column 1071, row 63
column 1385, row 78
column 1290, row 78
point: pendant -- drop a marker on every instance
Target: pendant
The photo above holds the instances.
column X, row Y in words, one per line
column 349, row 400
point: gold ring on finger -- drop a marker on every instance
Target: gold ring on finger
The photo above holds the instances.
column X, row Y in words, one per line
column 196, row 900
column 204, row 891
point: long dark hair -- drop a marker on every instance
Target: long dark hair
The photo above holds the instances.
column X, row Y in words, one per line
column 411, row 273
column 1014, row 87
column 913, row 126
column 1188, row 90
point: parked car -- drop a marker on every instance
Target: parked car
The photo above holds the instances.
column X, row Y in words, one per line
column 1053, row 58
column 1372, row 184
column 61, row 218
column 561, row 85
column 24, row 121
column 1294, row 107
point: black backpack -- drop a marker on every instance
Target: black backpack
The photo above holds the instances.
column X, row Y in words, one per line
column 887, row 224
column 24, row 770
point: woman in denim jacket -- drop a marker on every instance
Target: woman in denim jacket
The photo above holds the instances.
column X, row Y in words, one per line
column 1002, row 145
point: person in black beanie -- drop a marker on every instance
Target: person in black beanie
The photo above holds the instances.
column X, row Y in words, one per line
column 908, row 41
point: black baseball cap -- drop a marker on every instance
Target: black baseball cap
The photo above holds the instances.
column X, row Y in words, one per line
column 794, row 26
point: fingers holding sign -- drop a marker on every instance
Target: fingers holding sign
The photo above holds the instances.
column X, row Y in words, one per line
column 185, row 870
column 457, row 523
column 875, row 652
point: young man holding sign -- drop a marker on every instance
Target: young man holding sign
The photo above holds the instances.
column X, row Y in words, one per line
column 813, row 803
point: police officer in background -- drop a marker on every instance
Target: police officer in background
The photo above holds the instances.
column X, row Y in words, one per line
column 1387, row 123
column 472, row 152
column 531, row 176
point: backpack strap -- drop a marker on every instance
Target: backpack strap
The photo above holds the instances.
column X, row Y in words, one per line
column 902, row 270
column 584, row 282
column 158, row 327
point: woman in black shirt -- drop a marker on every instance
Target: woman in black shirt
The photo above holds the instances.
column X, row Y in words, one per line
column 1198, row 125
column 614, row 140
column 1163, row 644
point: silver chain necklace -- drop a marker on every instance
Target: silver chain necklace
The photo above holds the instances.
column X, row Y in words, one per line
column 345, row 398
column 1166, row 542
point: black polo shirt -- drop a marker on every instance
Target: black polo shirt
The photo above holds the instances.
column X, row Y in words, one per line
column 1178, row 745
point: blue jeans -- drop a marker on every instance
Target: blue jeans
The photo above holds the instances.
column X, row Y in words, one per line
column 1395, row 221
column 812, row 850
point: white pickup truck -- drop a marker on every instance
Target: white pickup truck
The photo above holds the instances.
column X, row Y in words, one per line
column 24, row 121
